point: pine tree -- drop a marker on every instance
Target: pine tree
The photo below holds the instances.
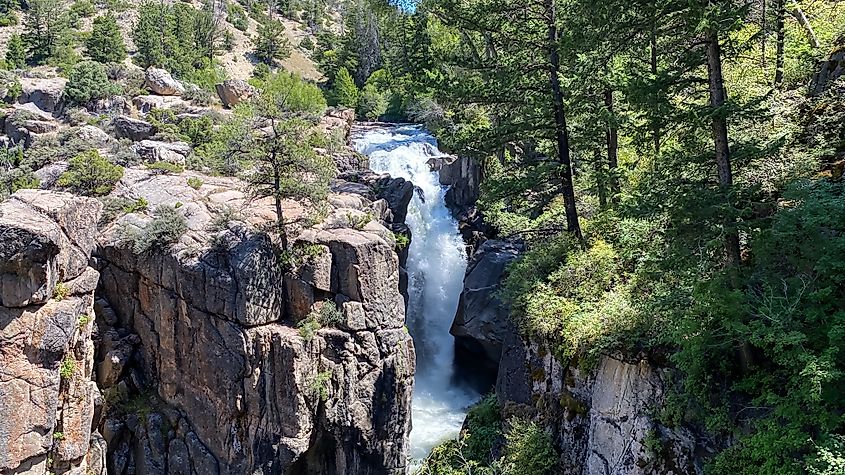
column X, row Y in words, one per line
column 149, row 34
column 105, row 43
column 16, row 52
column 344, row 91
column 271, row 44
column 45, row 29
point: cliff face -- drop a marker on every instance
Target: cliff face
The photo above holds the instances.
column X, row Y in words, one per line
column 205, row 356
column 603, row 419
column 47, row 397
column 221, row 370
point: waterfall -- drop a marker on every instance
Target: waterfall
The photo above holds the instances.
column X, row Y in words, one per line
column 436, row 265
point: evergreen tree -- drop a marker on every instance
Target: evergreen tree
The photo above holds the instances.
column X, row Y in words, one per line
column 88, row 81
column 344, row 91
column 105, row 43
column 45, row 29
column 275, row 137
column 16, row 52
column 271, row 44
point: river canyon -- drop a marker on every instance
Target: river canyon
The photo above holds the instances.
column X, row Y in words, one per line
column 436, row 265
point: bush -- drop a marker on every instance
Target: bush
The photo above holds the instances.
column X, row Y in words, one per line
column 16, row 52
column 83, row 8
column 197, row 95
column 87, row 82
column 237, row 16
column 261, row 72
column 166, row 227
column 195, row 183
column 528, row 449
column 89, row 173
column 10, row 86
column 116, row 206
column 372, row 103
column 166, row 168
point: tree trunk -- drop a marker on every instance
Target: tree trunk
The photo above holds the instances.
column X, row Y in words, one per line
column 799, row 16
column 612, row 137
column 601, row 180
column 280, row 216
column 561, row 130
column 718, row 97
column 763, row 36
column 779, row 42
column 655, row 121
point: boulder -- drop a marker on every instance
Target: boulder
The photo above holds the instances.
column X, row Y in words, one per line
column 133, row 129
column 146, row 103
column 160, row 82
column 93, row 135
column 234, row 91
column 156, row 151
column 40, row 126
column 398, row 193
column 45, row 238
column 481, row 323
column 46, row 94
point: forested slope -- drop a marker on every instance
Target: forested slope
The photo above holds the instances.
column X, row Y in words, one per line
column 675, row 169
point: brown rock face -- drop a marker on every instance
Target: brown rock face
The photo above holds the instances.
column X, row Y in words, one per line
column 46, row 238
column 234, row 91
column 233, row 377
column 160, row 82
column 47, row 398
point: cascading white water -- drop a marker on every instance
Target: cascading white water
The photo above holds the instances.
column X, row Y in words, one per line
column 436, row 266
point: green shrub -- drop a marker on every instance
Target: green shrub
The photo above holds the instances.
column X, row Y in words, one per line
column 237, row 16
column 85, row 320
column 372, row 102
column 271, row 44
column 320, row 385
column 10, row 86
column 167, row 227
column 83, row 8
column 89, row 173
column 402, row 240
column 87, row 82
column 308, row 328
column 113, row 207
column 528, row 449
column 61, row 291
column 195, row 182
column 67, row 368
column 16, row 52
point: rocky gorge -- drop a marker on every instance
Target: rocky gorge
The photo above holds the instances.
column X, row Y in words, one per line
column 193, row 359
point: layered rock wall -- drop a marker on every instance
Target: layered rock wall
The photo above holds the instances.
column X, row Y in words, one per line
column 225, row 368
column 47, row 396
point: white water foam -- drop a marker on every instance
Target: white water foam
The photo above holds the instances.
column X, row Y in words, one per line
column 436, row 266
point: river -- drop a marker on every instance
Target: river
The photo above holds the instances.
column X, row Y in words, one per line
column 436, row 265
